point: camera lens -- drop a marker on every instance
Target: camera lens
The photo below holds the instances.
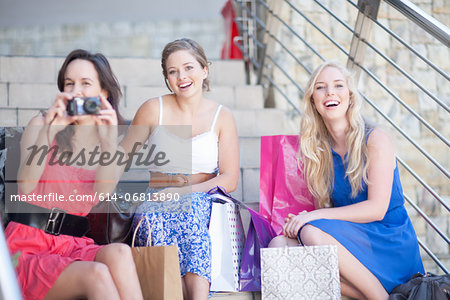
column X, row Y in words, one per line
column 92, row 106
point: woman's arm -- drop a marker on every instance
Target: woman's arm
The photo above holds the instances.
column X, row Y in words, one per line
column 380, row 175
column 39, row 134
column 106, row 177
column 144, row 120
column 30, row 170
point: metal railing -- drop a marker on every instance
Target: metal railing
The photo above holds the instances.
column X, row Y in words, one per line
column 263, row 24
column 9, row 288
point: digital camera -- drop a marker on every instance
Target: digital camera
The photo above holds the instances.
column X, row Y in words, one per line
column 83, row 106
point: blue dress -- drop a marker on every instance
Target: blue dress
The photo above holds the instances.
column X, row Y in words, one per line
column 388, row 248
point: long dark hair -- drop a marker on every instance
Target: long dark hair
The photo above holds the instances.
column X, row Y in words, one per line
column 108, row 82
column 185, row 44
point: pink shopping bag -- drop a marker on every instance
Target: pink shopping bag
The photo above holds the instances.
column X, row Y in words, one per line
column 283, row 187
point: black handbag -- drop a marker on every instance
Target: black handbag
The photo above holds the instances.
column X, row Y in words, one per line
column 423, row 287
column 111, row 222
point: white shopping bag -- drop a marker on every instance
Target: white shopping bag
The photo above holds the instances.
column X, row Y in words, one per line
column 309, row 272
column 227, row 244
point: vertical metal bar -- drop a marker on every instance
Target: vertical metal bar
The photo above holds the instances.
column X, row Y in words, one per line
column 245, row 42
column 262, row 60
column 266, row 43
column 254, row 28
column 250, row 28
column 9, row 289
column 368, row 9
column 273, row 8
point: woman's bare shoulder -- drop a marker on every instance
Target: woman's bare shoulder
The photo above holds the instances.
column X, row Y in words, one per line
column 150, row 104
column 37, row 120
column 379, row 137
column 226, row 122
column 226, row 113
column 147, row 113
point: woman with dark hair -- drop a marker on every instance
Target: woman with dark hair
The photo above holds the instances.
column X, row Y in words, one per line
column 55, row 260
column 352, row 173
column 201, row 152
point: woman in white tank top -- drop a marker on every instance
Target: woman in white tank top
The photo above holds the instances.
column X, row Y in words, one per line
column 196, row 160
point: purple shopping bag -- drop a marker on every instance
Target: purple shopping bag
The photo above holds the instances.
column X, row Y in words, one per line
column 259, row 235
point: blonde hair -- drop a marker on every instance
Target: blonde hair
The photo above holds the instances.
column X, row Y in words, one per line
column 315, row 147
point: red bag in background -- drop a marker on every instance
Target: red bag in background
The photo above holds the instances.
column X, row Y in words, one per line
column 229, row 49
column 283, row 187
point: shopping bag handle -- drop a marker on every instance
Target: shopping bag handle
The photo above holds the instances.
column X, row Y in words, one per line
column 150, row 228
column 219, row 195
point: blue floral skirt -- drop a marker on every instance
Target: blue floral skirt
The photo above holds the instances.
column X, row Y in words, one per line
column 183, row 222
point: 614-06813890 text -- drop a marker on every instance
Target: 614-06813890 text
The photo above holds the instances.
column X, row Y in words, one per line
column 56, row 197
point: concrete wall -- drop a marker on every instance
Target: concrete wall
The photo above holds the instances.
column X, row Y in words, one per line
column 135, row 28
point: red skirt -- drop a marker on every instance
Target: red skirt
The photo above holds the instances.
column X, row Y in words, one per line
column 44, row 256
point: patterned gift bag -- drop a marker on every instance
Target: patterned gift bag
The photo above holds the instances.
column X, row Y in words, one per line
column 309, row 272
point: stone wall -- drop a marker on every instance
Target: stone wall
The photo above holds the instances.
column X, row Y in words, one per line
column 114, row 39
column 136, row 28
column 400, row 86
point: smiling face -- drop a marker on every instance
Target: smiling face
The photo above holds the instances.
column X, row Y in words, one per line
column 185, row 74
column 81, row 79
column 331, row 94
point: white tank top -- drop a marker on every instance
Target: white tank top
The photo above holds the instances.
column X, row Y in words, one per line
column 198, row 154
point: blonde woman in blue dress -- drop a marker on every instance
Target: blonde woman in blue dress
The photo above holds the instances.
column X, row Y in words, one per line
column 352, row 173
column 206, row 158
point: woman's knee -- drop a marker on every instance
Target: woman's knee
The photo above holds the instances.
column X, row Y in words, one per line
column 97, row 273
column 311, row 235
column 114, row 251
column 82, row 279
column 281, row 241
column 278, row 241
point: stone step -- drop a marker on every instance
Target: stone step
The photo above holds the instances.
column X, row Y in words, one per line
column 41, row 95
column 129, row 71
column 237, row 296
column 250, row 122
column 19, row 102
column 233, row 97
column 141, row 71
column 267, row 121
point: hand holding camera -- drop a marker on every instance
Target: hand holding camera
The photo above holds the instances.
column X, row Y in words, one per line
column 68, row 108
